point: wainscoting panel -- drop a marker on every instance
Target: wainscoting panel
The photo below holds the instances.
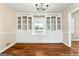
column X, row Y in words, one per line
column 50, row 37
column 6, row 39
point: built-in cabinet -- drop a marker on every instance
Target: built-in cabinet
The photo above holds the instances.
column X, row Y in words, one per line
column 39, row 28
column 47, row 23
column 24, row 23
column 29, row 23
column 53, row 23
column 19, row 23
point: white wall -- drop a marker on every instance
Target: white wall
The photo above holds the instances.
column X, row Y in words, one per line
column 7, row 26
column 49, row 37
column 75, row 16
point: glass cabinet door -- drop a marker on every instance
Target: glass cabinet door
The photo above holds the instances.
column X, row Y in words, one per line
column 29, row 23
column 48, row 23
column 53, row 23
column 24, row 23
column 58, row 23
column 19, row 23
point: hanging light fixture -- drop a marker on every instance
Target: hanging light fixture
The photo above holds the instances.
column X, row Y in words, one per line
column 41, row 6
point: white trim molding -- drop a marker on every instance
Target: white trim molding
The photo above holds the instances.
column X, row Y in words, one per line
column 2, row 33
column 66, row 44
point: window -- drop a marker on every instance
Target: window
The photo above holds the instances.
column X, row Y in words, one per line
column 39, row 26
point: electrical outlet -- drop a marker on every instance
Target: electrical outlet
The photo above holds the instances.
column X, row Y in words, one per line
column 8, row 44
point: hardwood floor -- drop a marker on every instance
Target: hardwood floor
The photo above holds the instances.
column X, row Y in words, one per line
column 40, row 49
column 75, row 44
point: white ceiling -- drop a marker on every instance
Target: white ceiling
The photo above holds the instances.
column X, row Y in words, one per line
column 30, row 7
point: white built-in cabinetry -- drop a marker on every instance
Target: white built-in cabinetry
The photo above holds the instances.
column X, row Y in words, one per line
column 53, row 23
column 26, row 27
column 24, row 23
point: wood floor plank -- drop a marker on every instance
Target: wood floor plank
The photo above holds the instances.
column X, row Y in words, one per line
column 40, row 49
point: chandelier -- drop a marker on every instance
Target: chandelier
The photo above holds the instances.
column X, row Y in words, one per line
column 41, row 6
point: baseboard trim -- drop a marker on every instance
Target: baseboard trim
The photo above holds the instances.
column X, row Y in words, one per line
column 37, row 42
column 66, row 44
column 7, row 47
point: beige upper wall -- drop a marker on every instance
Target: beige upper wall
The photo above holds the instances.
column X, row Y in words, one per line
column 7, row 19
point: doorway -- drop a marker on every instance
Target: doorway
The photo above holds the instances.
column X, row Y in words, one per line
column 75, row 34
column 74, row 28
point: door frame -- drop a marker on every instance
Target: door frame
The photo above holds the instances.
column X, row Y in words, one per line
column 70, row 29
